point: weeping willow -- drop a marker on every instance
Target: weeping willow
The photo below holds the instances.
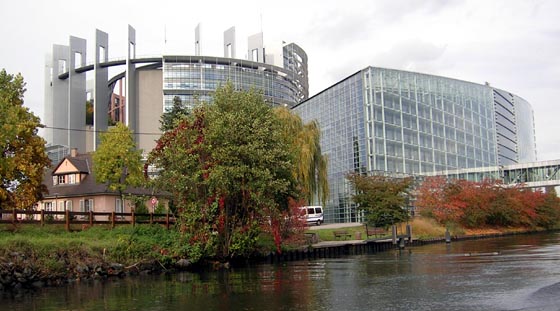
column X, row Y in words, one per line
column 311, row 166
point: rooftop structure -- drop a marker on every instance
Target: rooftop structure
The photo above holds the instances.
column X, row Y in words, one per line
column 152, row 83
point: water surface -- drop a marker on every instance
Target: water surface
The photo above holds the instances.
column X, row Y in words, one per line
column 512, row 273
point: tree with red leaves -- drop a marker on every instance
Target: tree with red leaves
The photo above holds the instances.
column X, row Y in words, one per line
column 229, row 170
column 487, row 203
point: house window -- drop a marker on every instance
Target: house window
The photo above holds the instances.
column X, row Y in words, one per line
column 47, row 206
column 72, row 179
column 86, row 205
column 61, row 179
column 119, row 206
column 68, row 205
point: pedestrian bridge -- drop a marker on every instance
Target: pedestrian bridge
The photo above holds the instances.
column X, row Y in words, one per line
column 530, row 175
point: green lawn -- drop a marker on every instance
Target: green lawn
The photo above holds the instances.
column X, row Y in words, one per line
column 125, row 244
column 328, row 234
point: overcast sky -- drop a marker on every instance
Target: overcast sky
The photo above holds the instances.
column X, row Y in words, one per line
column 512, row 44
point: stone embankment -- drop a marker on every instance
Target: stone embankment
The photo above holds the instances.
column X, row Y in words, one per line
column 22, row 271
column 19, row 271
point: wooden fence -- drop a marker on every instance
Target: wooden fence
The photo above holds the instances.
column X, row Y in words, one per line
column 85, row 218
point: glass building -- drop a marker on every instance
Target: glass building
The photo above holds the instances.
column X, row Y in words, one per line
column 405, row 123
column 151, row 83
column 197, row 77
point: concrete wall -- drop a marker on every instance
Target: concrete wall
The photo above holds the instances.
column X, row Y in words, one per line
column 101, row 95
column 77, row 95
column 150, row 103
column 229, row 43
column 56, row 97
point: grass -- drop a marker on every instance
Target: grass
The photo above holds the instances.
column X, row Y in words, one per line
column 328, row 234
column 125, row 244
column 422, row 228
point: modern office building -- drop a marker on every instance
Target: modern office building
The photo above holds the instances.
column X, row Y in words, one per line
column 396, row 122
column 151, row 84
column 376, row 121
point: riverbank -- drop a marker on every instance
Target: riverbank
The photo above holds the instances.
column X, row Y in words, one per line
column 36, row 257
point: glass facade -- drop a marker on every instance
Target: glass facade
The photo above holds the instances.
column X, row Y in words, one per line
column 514, row 128
column 196, row 77
column 396, row 122
column 526, row 141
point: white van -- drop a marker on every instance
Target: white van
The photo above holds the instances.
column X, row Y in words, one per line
column 313, row 214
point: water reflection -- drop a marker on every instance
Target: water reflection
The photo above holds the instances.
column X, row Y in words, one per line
column 514, row 273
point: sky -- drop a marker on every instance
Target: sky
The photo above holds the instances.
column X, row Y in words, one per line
column 512, row 44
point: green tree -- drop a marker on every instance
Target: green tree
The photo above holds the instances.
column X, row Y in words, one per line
column 230, row 171
column 171, row 118
column 23, row 158
column 311, row 165
column 383, row 198
column 116, row 161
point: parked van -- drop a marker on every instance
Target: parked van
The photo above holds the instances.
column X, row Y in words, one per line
column 313, row 214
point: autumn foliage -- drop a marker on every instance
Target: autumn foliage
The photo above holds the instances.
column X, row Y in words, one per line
column 487, row 203
column 22, row 151
column 230, row 173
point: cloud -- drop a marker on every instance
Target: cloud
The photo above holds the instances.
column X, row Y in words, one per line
column 413, row 55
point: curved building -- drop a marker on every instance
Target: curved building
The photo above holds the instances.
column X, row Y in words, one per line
column 152, row 83
column 398, row 122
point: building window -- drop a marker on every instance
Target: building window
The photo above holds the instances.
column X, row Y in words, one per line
column 62, row 66
column 61, row 179
column 47, row 206
column 68, row 205
column 77, row 60
column 119, row 206
column 86, row 205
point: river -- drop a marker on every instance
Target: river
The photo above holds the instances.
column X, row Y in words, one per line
column 509, row 273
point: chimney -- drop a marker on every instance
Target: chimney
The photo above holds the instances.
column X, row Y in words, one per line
column 73, row 152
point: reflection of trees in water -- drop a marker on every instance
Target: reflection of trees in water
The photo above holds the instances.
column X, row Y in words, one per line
column 522, row 274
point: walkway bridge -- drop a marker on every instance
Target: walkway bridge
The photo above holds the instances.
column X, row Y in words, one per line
column 530, row 175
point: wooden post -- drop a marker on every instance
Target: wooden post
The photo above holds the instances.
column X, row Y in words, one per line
column 151, row 218
column 409, row 232
column 133, row 219
column 447, row 236
column 14, row 216
column 42, row 218
column 112, row 220
column 167, row 220
column 90, row 219
column 67, row 216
